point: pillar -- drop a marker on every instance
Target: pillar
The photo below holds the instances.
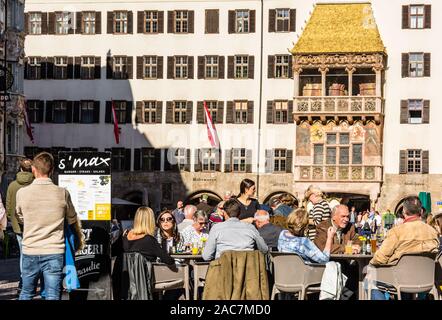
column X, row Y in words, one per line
column 296, row 72
column 350, row 70
column 378, row 81
column 323, row 71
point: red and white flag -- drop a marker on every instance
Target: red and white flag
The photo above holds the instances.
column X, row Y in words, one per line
column 211, row 130
column 28, row 124
column 116, row 128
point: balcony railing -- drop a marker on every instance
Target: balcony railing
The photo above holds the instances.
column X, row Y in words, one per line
column 359, row 173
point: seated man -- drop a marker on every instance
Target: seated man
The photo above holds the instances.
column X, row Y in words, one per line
column 413, row 236
column 232, row 234
column 280, row 209
column 268, row 231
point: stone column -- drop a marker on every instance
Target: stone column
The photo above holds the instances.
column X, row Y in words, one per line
column 323, row 71
column 296, row 82
column 350, row 70
column 378, row 81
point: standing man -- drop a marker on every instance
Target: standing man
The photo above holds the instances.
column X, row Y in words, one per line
column 179, row 212
column 353, row 215
column 42, row 207
column 203, row 205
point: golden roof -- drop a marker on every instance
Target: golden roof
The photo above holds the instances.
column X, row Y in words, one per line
column 340, row 28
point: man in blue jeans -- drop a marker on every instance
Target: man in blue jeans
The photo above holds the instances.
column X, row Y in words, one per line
column 42, row 208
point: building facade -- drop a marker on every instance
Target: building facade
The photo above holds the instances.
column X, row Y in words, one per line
column 300, row 93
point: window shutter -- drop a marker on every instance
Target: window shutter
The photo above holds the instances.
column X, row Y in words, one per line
column 252, row 21
column 197, row 160
column 139, row 67
column 160, row 21
column 76, row 112
column 41, row 109
column 170, row 22
column 97, row 73
column 69, row 111
column 232, row 21
column 212, row 21
column 129, row 105
column 170, row 71
column 426, row 112
column 289, row 161
column 425, row 162
column 231, row 67
column 217, row 160
column 427, row 64
column 248, row 160
column 272, row 20
column 139, row 111
column 191, row 19
column 130, row 67
column 200, row 112
column 271, row 67
column 201, row 68
column 140, row 21
column 159, row 67
column 71, row 24
column 109, row 68
column 26, row 62
column 70, row 68
column 51, row 24
column 43, row 68
column 189, row 112
column 44, row 23
column 403, row 162
column 249, row 111
column 292, row 20
column 228, row 160
column 290, row 111
column 108, row 115
column 130, row 22
column 169, row 112
column 270, row 112
column 97, row 22
column 405, row 65
column 190, row 67
column 49, row 111
column 404, row 111
column 269, row 162
column 220, row 112
column 49, row 68
column 110, row 22
column 159, row 111
column 251, row 67
column 221, row 63
column 290, row 67
column 26, row 23
column 79, row 19
column 157, row 160
column 127, row 159
column 405, row 17
column 77, row 68
column 96, row 112
column 229, row 115
column 137, row 159
column 427, row 17
column 170, row 159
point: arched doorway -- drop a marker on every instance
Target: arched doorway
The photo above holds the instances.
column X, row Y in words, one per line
column 288, row 198
column 194, row 198
column 361, row 202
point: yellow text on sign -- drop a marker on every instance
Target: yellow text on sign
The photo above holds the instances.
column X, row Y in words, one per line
column 102, row 211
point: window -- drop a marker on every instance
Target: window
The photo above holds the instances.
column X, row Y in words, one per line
column 34, row 68
column 357, row 154
column 181, row 67
column 282, row 20
column 150, row 111
column 281, row 111
column 120, row 22
column 61, row 68
column 417, row 17
column 318, row 154
column 415, row 108
column 118, row 159
column 241, row 67
column 211, row 67
column 282, row 66
column 62, row 22
column 11, row 133
column 213, row 110
column 414, row 161
column 147, row 159
column 35, row 23
column 120, row 67
column 208, row 160
column 60, row 111
column 181, row 158
column 179, row 111
column 87, row 68
column 280, row 159
column 32, row 106
column 87, row 112
column 88, row 22
column 338, row 150
column 416, row 65
column 120, row 111
column 181, row 21
column 150, row 67
column 151, row 21
column 242, row 21
column 238, row 160
column 240, row 111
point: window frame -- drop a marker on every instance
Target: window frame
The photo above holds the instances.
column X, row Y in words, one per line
column 415, row 105
column 208, row 164
column 32, row 107
column 283, row 19
column 281, row 109
column 153, row 67
column 279, row 158
column 64, row 23
column 34, row 68
column 180, row 110
column 241, row 110
column 60, row 106
column 183, row 67
column 32, row 23
column 148, row 159
column 87, row 70
column 149, row 109
column 120, row 107
column 239, row 160
column 337, row 146
column 415, row 161
column 61, row 68
column 242, row 67
column 153, row 22
column 121, row 20
column 122, row 74
column 245, row 21
column 419, row 65
column 415, row 16
column 209, row 64
column 181, row 19
column 92, row 21
column 90, row 107
column 283, row 66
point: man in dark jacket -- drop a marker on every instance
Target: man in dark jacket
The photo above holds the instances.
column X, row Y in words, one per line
column 203, row 205
column 268, row 231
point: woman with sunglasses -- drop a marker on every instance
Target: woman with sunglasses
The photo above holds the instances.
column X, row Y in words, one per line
column 197, row 231
column 167, row 231
column 218, row 215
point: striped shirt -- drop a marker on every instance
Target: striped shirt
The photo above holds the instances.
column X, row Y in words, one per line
column 320, row 212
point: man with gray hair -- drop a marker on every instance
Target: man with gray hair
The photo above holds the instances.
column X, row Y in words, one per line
column 189, row 211
column 268, row 231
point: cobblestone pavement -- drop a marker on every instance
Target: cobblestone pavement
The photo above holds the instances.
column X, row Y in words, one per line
column 9, row 278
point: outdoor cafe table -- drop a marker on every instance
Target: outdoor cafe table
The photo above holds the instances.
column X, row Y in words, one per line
column 362, row 261
column 189, row 260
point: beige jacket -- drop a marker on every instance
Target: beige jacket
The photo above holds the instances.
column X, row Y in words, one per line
column 410, row 237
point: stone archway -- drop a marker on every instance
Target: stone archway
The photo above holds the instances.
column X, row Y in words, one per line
column 288, row 195
column 194, row 197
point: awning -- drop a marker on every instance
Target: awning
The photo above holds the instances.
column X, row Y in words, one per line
column 425, row 199
column 122, row 202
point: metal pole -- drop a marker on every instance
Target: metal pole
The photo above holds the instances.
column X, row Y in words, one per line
column 5, row 65
column 260, row 99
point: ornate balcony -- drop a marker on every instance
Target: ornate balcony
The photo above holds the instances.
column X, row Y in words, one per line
column 339, row 173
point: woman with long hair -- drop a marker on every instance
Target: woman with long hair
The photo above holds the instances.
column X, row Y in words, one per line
column 248, row 204
column 167, row 235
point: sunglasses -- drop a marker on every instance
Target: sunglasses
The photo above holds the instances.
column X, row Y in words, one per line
column 202, row 223
column 168, row 219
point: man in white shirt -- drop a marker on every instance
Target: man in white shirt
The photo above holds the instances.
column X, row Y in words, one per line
column 189, row 211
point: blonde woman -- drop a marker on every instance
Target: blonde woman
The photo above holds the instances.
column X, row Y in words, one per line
column 141, row 237
column 321, row 210
column 293, row 239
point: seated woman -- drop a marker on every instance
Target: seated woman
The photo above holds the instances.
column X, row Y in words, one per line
column 141, row 237
column 196, row 232
column 294, row 239
column 167, row 233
